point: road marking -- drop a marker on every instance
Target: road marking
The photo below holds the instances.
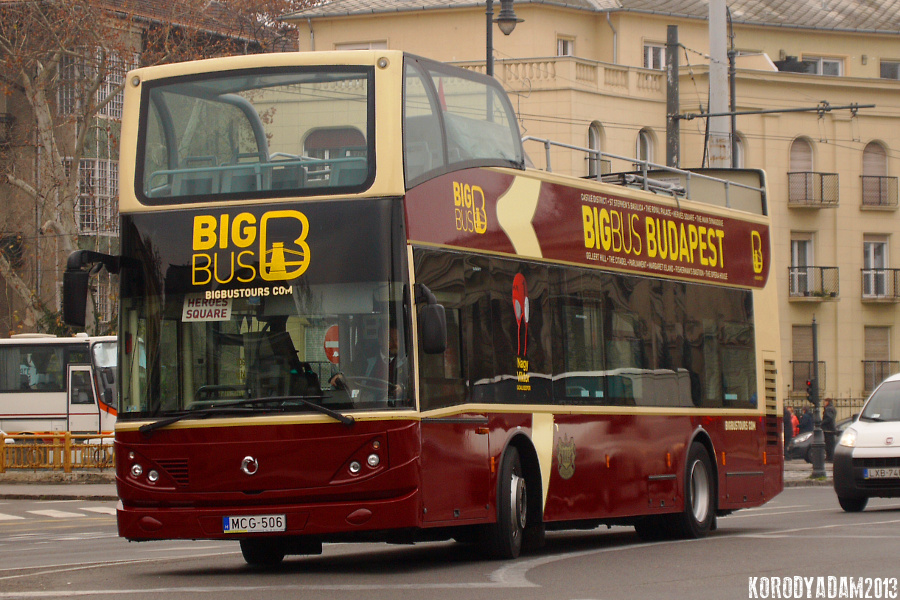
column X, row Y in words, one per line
column 104, row 510
column 56, row 514
column 4, row 517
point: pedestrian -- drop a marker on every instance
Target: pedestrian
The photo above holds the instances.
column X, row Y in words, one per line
column 829, row 415
column 806, row 420
column 788, row 428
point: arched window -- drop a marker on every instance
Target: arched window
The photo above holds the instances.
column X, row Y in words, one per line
column 595, row 140
column 877, row 188
column 801, row 156
column 644, row 147
column 801, row 180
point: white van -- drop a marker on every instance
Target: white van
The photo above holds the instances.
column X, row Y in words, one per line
column 867, row 457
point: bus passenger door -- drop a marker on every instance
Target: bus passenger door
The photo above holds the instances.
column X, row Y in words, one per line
column 456, row 475
column 83, row 412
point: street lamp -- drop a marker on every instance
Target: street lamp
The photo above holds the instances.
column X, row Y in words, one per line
column 506, row 20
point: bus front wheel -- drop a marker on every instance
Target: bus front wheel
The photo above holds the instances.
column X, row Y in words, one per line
column 504, row 538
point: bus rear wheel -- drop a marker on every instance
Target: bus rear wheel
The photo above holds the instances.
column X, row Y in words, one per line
column 699, row 496
column 262, row 552
column 504, row 538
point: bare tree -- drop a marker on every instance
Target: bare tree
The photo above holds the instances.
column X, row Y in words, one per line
column 62, row 66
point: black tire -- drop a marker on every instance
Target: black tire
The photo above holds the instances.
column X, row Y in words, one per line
column 698, row 516
column 853, row 504
column 504, row 538
column 262, row 552
column 652, row 529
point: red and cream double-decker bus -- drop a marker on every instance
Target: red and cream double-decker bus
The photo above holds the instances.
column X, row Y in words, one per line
column 350, row 312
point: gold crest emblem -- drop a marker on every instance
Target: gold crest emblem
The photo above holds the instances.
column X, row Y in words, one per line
column 565, row 457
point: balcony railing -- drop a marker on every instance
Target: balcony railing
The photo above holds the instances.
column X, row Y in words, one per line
column 813, row 190
column 876, row 371
column 813, row 283
column 803, row 372
column 879, row 192
column 881, row 285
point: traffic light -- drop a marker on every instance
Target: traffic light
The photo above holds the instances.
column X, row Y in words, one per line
column 812, row 391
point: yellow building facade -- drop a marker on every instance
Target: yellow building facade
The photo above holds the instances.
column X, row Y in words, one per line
column 590, row 73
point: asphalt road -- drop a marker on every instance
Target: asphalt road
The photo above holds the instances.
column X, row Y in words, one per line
column 69, row 549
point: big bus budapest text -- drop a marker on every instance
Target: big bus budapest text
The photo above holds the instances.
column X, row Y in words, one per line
column 350, row 312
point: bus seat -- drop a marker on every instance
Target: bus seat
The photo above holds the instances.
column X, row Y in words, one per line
column 352, row 173
column 288, row 177
column 241, row 179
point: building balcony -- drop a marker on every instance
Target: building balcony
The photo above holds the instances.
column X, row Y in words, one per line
column 813, row 284
column 879, row 193
column 876, row 371
column 813, row 190
column 881, row 285
column 571, row 72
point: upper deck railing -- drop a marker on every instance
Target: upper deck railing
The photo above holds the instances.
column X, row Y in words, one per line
column 679, row 183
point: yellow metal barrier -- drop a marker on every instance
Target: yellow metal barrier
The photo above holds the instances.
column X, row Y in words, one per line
column 57, row 451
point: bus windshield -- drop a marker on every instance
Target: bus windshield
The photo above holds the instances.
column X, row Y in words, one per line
column 207, row 329
column 292, row 132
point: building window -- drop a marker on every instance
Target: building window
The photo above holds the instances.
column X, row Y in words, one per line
column 78, row 73
column 877, row 363
column 818, row 65
column 890, row 69
column 875, row 253
column 877, row 188
column 95, row 208
column 565, row 47
column 801, row 261
column 644, row 148
column 654, row 56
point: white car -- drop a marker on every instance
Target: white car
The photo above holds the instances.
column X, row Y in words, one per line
column 867, row 457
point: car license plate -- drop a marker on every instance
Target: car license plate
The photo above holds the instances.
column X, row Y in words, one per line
column 886, row 473
column 253, row 524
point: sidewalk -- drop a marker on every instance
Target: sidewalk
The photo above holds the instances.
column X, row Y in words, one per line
column 54, row 485
column 797, row 473
column 102, row 485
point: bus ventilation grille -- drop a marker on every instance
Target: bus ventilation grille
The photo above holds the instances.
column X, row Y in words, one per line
column 177, row 470
column 772, row 434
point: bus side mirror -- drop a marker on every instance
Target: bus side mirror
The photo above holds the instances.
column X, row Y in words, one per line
column 433, row 319
column 75, row 291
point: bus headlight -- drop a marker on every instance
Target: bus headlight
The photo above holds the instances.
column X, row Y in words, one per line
column 153, row 476
column 136, row 470
column 373, row 460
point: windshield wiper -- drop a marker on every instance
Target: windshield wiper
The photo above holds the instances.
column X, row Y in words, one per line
column 246, row 406
column 305, row 400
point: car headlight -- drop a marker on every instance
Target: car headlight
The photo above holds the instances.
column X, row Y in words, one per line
column 849, row 438
column 802, row 437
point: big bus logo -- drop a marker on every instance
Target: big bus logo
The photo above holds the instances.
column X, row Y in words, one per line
column 756, row 244
column 239, row 249
column 469, row 211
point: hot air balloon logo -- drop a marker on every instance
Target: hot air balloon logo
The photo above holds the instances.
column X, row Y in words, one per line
column 521, row 308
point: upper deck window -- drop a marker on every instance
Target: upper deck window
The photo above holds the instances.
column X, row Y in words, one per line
column 257, row 133
column 454, row 119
